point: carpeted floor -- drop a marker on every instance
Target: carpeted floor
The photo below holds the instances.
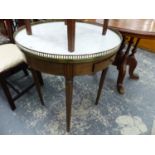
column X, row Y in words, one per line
column 132, row 113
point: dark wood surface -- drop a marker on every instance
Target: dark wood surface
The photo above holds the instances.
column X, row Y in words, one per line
column 8, row 28
column 28, row 26
column 71, row 34
column 105, row 26
column 141, row 28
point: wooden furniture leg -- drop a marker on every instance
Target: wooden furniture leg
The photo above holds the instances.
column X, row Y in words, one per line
column 105, row 26
column 119, row 57
column 37, row 84
column 132, row 62
column 40, row 78
column 8, row 26
column 28, row 26
column 122, row 69
column 71, row 34
column 69, row 94
column 101, row 84
column 25, row 72
column 7, row 93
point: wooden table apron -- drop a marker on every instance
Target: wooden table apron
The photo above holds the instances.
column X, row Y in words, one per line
column 69, row 69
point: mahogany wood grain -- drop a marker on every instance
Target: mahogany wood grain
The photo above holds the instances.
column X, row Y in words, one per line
column 28, row 26
column 71, row 34
column 105, row 26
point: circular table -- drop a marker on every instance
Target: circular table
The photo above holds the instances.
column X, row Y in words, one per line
column 46, row 51
column 132, row 30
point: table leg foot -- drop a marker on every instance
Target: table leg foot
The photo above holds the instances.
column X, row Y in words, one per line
column 134, row 76
column 132, row 62
column 101, row 85
column 120, row 89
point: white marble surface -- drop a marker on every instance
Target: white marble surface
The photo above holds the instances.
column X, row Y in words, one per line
column 51, row 38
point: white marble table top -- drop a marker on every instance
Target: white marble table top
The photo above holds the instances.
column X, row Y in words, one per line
column 50, row 40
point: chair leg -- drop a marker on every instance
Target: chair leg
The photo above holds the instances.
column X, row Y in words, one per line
column 25, row 72
column 7, row 93
column 37, row 84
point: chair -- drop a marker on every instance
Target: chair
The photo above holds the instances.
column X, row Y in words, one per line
column 12, row 61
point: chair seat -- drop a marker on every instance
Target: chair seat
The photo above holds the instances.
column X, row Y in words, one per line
column 10, row 56
column 4, row 40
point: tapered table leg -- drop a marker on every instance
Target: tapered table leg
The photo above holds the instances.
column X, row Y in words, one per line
column 40, row 78
column 69, row 93
column 101, row 84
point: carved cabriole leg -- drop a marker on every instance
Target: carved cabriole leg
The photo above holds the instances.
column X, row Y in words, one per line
column 69, row 93
column 132, row 62
column 101, row 84
column 37, row 84
column 120, row 54
column 7, row 93
column 122, row 69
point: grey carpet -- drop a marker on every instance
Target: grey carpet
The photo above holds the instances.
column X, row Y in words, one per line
column 132, row 113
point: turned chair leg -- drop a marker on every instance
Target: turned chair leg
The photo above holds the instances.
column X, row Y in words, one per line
column 101, row 84
column 7, row 93
column 37, row 84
